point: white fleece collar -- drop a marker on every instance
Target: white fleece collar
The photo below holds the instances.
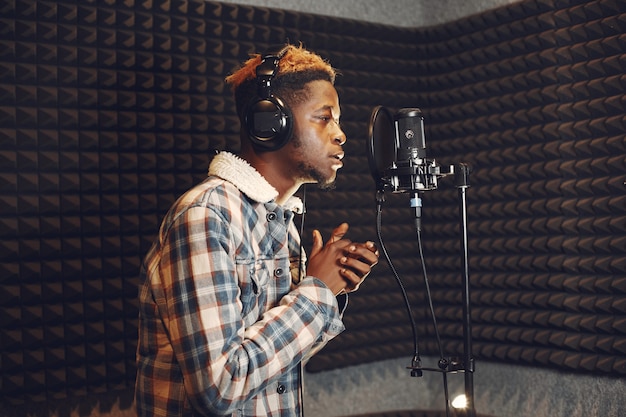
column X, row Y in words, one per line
column 248, row 180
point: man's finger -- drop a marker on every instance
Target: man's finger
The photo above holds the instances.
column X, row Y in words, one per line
column 338, row 233
column 318, row 243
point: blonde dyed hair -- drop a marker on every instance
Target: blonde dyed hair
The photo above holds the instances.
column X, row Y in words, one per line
column 295, row 59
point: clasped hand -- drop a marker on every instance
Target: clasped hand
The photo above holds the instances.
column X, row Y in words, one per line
column 340, row 263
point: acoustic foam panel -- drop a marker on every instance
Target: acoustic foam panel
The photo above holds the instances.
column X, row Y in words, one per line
column 110, row 110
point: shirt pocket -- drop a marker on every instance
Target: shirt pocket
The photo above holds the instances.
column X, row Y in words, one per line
column 253, row 281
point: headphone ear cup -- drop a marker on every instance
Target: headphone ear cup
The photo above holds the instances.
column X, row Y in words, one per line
column 269, row 123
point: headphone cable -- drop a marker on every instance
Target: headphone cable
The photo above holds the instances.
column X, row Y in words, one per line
column 301, row 365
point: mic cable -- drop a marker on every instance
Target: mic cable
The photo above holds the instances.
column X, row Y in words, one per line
column 416, row 366
column 416, row 361
column 443, row 362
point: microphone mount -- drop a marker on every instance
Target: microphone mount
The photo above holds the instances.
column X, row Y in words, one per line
column 397, row 152
column 414, row 175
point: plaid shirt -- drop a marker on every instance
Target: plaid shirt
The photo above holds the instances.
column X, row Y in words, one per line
column 225, row 319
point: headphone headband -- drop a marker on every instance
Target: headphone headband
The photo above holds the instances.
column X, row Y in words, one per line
column 266, row 71
column 269, row 67
column 268, row 120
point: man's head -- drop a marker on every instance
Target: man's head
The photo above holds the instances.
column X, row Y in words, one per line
column 304, row 82
column 268, row 85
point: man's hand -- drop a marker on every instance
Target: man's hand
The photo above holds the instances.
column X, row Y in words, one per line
column 341, row 264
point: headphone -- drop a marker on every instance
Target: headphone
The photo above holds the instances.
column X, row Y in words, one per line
column 268, row 120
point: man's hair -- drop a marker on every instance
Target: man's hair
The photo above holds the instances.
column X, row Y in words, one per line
column 296, row 69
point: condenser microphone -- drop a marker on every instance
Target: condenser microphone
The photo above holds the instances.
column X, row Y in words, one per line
column 397, row 154
column 409, row 171
column 409, row 125
column 408, row 175
column 396, row 147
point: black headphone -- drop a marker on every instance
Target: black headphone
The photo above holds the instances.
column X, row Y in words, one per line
column 267, row 118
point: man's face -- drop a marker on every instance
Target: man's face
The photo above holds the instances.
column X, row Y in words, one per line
column 316, row 146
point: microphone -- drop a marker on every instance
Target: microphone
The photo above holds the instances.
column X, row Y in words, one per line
column 397, row 155
column 410, row 133
column 410, row 157
column 408, row 171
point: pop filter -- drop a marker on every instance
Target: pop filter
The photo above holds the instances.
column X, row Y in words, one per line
column 382, row 144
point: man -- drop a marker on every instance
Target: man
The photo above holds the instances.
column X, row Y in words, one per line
column 227, row 311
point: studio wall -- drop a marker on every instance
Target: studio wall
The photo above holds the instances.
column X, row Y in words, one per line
column 110, row 110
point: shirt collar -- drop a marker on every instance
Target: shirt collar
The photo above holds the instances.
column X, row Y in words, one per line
column 248, row 180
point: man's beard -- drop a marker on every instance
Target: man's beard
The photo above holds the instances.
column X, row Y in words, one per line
column 308, row 171
column 323, row 183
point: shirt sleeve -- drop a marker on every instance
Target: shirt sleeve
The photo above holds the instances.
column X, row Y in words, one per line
column 222, row 362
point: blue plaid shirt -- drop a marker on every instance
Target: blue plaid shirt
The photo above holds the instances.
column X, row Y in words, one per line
column 225, row 317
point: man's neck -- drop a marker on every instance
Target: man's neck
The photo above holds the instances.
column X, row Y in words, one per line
column 268, row 164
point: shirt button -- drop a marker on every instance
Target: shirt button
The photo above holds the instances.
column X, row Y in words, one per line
column 281, row 389
column 271, row 216
column 278, row 272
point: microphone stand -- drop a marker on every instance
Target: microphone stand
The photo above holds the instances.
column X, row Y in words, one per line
column 425, row 176
column 461, row 179
column 399, row 142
